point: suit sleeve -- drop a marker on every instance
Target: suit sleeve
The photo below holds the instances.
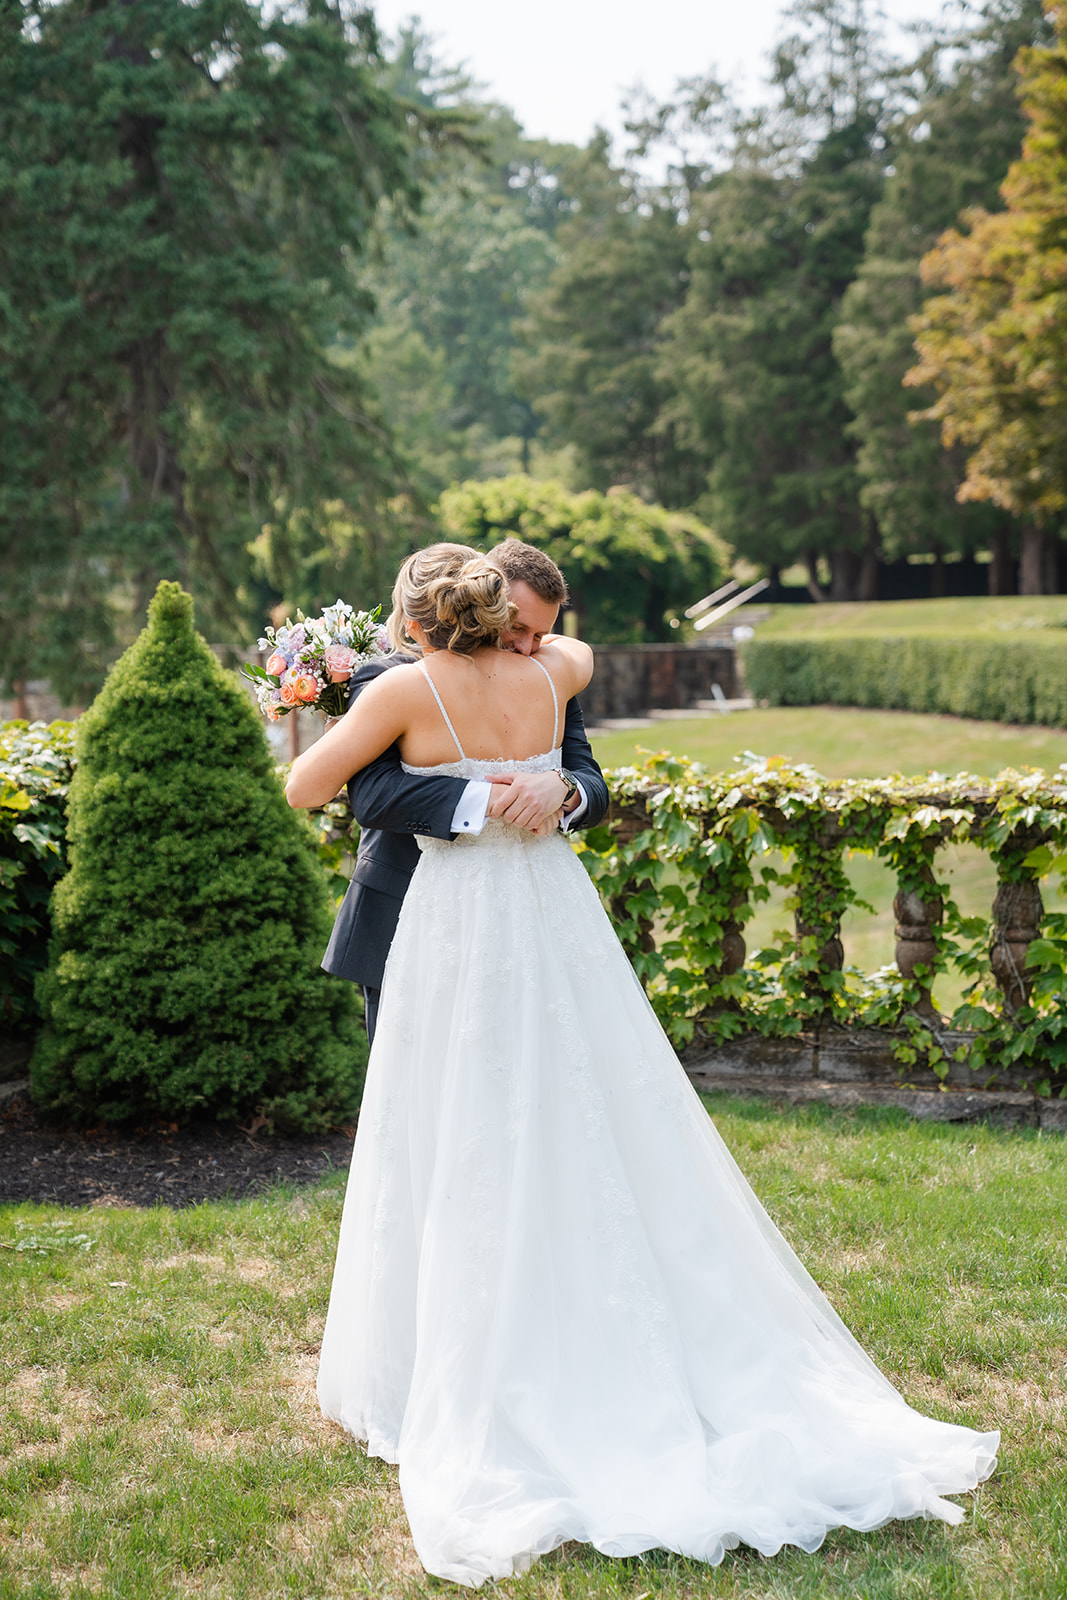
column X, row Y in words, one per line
column 382, row 795
column 578, row 758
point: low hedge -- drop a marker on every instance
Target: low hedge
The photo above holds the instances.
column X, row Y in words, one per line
column 965, row 675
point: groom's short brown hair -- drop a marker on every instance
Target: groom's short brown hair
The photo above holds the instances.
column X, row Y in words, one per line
column 524, row 563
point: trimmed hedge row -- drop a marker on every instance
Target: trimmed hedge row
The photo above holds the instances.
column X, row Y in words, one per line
column 991, row 679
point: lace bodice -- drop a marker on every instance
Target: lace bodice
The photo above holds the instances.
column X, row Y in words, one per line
column 494, row 833
column 471, row 767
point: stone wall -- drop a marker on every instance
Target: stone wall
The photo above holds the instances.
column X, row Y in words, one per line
column 37, row 703
column 629, row 680
column 857, row 1067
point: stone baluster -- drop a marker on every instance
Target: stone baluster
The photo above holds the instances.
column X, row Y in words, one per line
column 628, row 822
column 817, row 894
column 733, row 944
column 918, row 913
column 1017, row 912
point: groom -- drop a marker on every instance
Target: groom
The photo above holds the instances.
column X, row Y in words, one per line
column 391, row 805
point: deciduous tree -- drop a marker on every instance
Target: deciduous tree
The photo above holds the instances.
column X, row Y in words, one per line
column 951, row 150
column 994, row 347
column 629, row 565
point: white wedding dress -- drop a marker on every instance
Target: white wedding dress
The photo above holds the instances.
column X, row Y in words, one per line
column 557, row 1303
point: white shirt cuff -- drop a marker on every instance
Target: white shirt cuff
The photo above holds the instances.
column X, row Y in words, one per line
column 567, row 822
column 469, row 815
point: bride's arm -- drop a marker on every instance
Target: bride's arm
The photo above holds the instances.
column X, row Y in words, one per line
column 570, row 662
column 374, row 722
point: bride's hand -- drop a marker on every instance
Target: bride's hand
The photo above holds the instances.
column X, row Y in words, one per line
column 529, row 800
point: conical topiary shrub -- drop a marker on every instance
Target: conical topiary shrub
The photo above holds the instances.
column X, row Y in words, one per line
column 184, row 974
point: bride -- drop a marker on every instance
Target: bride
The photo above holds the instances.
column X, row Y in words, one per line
column 557, row 1304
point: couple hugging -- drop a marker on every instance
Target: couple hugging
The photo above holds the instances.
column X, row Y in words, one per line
column 557, row 1304
column 392, row 805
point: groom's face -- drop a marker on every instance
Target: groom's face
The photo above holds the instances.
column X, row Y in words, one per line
column 534, row 618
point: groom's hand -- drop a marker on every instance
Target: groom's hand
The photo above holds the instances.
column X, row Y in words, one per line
column 530, row 800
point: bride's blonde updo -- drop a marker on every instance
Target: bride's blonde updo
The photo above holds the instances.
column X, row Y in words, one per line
column 457, row 597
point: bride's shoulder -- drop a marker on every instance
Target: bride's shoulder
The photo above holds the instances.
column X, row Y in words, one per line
column 569, row 660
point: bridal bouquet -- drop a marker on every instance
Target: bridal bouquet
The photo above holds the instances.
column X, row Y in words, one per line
column 312, row 659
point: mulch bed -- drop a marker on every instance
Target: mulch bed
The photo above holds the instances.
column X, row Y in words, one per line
column 151, row 1166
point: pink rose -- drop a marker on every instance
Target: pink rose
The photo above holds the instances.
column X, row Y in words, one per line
column 340, row 662
column 277, row 664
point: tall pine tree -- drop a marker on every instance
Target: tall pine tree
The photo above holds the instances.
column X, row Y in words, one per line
column 184, row 190
column 774, row 243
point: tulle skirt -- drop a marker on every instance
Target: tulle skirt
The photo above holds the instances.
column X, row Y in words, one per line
column 557, row 1303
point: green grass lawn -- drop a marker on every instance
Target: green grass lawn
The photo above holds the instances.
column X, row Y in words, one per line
column 159, row 1434
column 958, row 615
column 841, row 742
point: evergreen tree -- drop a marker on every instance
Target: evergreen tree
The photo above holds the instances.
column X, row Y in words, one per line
column 452, row 284
column 750, row 355
column 995, row 346
column 748, row 362
column 950, row 152
column 184, row 190
column 184, row 969
column 591, row 342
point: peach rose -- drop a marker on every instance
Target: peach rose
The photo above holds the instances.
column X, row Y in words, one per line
column 274, row 713
column 304, row 687
column 277, row 665
column 289, row 695
column 340, row 662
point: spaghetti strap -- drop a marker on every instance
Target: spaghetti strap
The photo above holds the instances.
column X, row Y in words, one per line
column 555, row 700
column 441, row 707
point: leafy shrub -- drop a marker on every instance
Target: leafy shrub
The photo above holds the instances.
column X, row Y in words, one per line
column 995, row 680
column 35, row 768
column 183, row 973
column 627, row 563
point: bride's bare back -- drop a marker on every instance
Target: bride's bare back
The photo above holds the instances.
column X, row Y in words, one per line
column 500, row 705
column 498, row 702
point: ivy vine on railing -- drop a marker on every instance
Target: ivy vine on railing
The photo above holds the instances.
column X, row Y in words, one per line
column 686, row 854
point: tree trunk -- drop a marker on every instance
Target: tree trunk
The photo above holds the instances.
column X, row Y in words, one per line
column 938, row 576
column 1002, row 566
column 1050, row 562
column 815, row 589
column 1034, row 561
column 869, row 569
column 846, row 568
column 151, row 367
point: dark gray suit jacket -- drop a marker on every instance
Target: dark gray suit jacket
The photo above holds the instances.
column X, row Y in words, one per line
column 391, row 806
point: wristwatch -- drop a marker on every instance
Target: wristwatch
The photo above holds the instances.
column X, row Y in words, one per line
column 570, row 780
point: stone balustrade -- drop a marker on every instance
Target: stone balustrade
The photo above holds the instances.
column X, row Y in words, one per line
column 680, row 868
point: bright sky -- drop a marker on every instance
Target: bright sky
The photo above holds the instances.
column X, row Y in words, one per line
column 562, row 65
